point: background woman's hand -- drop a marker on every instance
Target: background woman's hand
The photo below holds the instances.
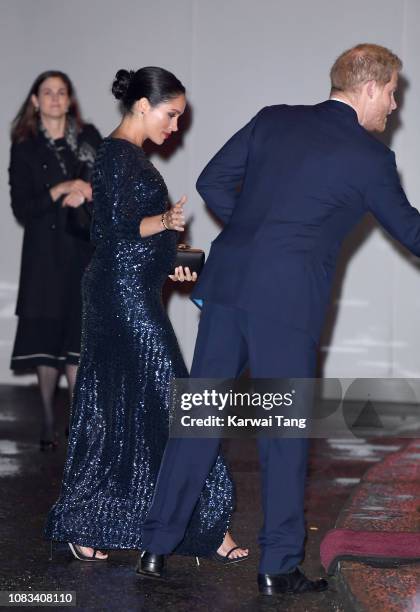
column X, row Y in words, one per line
column 74, row 199
column 84, row 187
column 174, row 217
column 66, row 187
column 183, row 274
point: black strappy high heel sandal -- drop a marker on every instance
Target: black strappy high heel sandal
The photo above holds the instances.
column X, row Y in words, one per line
column 225, row 560
column 81, row 557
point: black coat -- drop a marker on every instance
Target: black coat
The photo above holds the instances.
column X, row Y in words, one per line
column 53, row 261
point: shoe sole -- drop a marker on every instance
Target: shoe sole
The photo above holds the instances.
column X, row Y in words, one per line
column 272, row 592
column 226, row 561
column 149, row 574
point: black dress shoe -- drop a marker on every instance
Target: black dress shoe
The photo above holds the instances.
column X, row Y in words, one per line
column 150, row 564
column 295, row 582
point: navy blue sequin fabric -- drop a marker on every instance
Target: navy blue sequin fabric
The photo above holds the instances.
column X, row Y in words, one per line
column 129, row 355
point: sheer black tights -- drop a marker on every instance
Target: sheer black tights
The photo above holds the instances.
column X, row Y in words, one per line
column 47, row 380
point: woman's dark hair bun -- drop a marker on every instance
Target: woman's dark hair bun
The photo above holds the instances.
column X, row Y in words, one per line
column 151, row 82
column 121, row 83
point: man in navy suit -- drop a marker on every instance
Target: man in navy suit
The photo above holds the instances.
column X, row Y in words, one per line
column 307, row 175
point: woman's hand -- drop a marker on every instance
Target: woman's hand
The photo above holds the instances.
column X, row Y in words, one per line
column 174, row 217
column 64, row 188
column 183, row 274
column 74, row 199
column 84, row 187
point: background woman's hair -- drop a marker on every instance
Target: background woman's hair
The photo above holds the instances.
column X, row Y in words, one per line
column 25, row 124
column 365, row 62
column 156, row 84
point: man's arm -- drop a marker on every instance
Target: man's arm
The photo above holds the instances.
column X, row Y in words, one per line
column 386, row 200
column 219, row 182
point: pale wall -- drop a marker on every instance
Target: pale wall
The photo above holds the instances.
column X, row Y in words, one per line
column 234, row 57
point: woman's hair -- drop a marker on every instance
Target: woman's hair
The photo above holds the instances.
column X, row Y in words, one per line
column 363, row 63
column 156, row 84
column 25, row 123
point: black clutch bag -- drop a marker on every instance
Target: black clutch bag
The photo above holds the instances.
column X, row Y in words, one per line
column 191, row 258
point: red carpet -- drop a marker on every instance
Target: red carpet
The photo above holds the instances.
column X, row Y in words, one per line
column 377, row 548
column 380, row 525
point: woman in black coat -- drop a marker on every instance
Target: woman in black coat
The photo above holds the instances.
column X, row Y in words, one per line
column 51, row 158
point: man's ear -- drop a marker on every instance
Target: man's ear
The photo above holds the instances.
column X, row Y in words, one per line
column 371, row 87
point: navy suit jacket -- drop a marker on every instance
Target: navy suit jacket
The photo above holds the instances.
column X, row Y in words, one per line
column 289, row 186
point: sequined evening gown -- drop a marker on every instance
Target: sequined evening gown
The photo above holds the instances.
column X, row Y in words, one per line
column 129, row 355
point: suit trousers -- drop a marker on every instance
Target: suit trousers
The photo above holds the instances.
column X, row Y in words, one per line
column 229, row 340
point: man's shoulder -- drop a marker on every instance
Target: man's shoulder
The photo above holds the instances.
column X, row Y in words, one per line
column 377, row 147
column 284, row 110
column 281, row 116
column 372, row 152
column 344, row 129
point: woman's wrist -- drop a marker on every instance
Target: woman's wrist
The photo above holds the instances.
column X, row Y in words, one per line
column 164, row 221
column 56, row 192
column 153, row 225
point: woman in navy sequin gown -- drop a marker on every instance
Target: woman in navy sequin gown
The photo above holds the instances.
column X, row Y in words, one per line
column 130, row 354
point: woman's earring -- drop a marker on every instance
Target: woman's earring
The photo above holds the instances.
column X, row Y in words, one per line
column 137, row 113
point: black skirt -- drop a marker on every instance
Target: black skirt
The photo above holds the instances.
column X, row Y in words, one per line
column 50, row 342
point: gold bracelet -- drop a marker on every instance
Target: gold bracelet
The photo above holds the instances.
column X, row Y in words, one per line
column 163, row 221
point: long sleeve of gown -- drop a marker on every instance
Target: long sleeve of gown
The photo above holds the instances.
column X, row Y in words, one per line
column 123, row 188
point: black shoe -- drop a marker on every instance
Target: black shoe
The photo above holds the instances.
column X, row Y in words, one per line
column 150, row 564
column 296, row 582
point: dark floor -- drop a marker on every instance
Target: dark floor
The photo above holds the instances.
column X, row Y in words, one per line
column 30, row 482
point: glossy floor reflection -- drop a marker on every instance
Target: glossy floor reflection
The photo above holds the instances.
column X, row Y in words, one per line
column 29, row 483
